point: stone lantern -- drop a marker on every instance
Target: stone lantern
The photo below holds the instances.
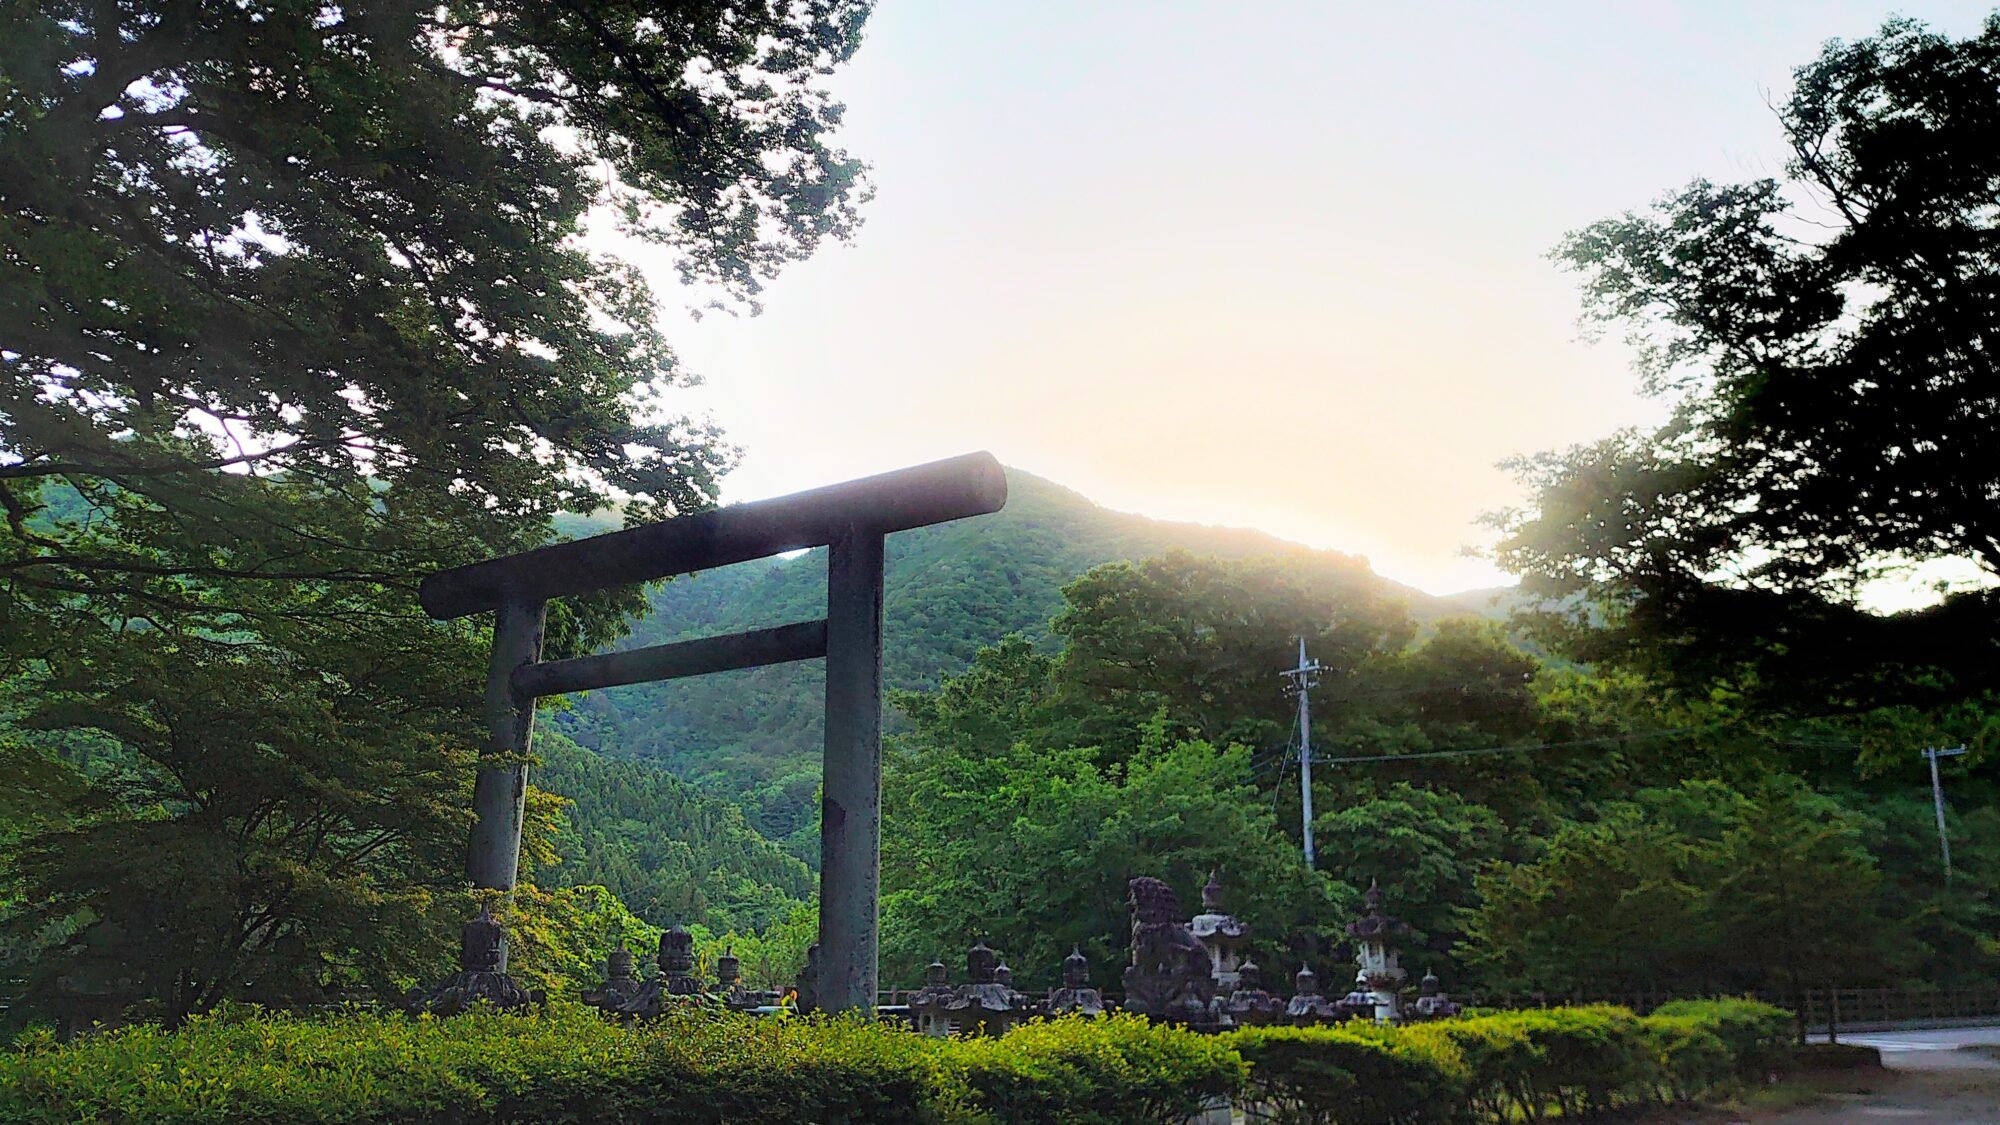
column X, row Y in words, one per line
column 1307, row 1005
column 1432, row 1003
column 1249, row 1005
column 1221, row 932
column 986, row 1004
column 481, row 977
column 930, row 1005
column 1375, row 936
column 621, row 982
column 1076, row 995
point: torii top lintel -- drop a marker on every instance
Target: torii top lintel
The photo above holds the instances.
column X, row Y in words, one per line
column 969, row 485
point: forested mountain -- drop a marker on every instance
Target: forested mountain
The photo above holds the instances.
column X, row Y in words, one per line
column 669, row 851
column 951, row 589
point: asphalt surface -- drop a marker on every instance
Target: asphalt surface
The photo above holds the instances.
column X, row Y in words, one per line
column 1936, row 1049
column 1946, row 1076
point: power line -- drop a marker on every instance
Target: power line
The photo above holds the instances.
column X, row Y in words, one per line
column 1638, row 736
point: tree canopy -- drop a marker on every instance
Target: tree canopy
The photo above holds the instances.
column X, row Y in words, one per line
column 1828, row 341
column 299, row 302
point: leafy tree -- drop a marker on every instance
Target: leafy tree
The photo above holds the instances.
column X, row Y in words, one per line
column 1007, row 694
column 1606, row 907
column 1828, row 341
column 1030, row 850
column 1427, row 847
column 342, row 241
column 266, row 823
column 1955, row 926
column 1203, row 639
column 1797, row 905
column 1694, row 888
column 557, row 940
column 296, row 305
column 767, row 958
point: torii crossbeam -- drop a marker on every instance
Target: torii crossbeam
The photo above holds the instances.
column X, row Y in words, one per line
column 852, row 520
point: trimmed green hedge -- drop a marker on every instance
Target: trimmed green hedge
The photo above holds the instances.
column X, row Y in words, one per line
column 566, row 1064
column 1121, row 1069
column 1506, row 1066
column 1338, row 1074
column 1758, row 1035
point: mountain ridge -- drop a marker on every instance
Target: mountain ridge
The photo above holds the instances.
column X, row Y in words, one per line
column 950, row 589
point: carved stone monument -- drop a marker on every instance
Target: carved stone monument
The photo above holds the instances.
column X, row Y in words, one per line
column 1076, row 995
column 677, row 962
column 481, row 977
column 729, row 982
column 1169, row 978
column 674, row 986
column 1358, row 1004
column 806, row 984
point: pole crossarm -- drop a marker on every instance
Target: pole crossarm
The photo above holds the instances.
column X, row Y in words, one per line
column 970, row 485
column 782, row 644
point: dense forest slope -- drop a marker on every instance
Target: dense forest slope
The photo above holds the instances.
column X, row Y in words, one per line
column 667, row 850
column 754, row 735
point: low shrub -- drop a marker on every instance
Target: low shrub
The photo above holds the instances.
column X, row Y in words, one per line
column 1691, row 1059
column 1121, row 1069
column 1313, row 1075
column 567, row 1064
column 1574, row 1060
column 562, row 1064
column 1499, row 1060
column 1758, row 1034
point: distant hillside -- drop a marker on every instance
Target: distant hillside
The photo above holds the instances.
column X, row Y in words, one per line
column 951, row 589
column 669, row 851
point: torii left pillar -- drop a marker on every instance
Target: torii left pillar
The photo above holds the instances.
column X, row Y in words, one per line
column 500, row 790
column 852, row 520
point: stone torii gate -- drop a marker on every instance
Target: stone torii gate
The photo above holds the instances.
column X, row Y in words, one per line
column 852, row 520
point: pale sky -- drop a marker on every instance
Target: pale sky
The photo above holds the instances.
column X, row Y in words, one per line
column 1258, row 264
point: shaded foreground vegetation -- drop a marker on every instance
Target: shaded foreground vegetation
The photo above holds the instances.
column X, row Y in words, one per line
column 568, row 1064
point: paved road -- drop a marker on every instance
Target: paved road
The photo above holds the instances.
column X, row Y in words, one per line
column 1931, row 1080
column 1938, row 1049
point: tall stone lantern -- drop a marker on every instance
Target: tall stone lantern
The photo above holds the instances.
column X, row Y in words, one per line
column 1375, row 936
column 1222, row 932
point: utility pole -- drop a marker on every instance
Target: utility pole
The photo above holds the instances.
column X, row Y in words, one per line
column 1937, row 800
column 1303, row 678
